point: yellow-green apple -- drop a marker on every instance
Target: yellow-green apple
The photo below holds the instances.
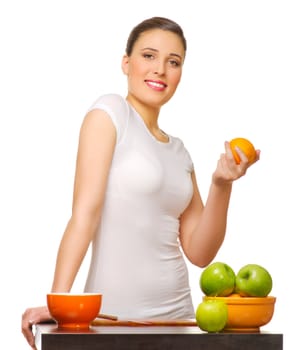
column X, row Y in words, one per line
column 253, row 280
column 212, row 315
column 217, row 279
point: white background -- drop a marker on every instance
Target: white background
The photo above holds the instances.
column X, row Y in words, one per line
column 245, row 75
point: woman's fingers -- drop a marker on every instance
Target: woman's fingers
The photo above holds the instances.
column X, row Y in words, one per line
column 26, row 328
column 31, row 317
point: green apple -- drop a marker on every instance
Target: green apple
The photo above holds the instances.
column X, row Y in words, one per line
column 212, row 315
column 217, row 279
column 253, row 280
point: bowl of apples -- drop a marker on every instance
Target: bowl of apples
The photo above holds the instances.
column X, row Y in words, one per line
column 247, row 314
column 245, row 295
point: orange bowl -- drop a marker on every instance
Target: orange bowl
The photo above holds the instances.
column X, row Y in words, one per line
column 247, row 314
column 74, row 311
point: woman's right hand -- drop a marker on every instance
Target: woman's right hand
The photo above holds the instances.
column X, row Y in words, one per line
column 31, row 317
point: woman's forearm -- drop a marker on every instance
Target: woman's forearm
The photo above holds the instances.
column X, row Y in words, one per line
column 72, row 250
column 209, row 233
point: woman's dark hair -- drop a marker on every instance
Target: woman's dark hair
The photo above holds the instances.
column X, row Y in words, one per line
column 154, row 23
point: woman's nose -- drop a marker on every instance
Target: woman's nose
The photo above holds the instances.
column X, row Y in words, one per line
column 159, row 69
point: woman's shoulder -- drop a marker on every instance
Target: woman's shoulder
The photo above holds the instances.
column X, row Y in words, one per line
column 112, row 97
column 116, row 107
column 111, row 101
column 181, row 150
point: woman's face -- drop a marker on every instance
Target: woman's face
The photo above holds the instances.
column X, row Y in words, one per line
column 154, row 68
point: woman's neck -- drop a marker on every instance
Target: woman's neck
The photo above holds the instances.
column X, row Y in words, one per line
column 150, row 118
column 147, row 112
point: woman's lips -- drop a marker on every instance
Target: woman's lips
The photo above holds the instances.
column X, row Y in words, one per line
column 156, row 85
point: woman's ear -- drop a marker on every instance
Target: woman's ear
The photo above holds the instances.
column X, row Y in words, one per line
column 125, row 61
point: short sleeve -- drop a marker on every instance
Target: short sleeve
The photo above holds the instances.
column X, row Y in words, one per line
column 117, row 109
column 189, row 161
column 180, row 149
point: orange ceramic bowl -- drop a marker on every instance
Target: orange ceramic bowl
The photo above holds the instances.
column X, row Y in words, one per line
column 247, row 314
column 74, row 311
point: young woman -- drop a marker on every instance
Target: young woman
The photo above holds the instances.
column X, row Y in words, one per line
column 136, row 198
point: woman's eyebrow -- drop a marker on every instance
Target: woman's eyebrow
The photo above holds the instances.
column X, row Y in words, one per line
column 155, row 50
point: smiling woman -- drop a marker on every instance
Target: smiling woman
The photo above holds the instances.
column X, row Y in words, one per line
column 136, row 198
column 155, row 64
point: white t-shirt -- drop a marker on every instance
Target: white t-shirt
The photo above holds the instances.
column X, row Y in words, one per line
column 137, row 263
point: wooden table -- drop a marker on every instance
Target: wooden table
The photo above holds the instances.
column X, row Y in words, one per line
column 48, row 337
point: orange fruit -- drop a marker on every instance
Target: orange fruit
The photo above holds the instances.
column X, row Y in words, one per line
column 246, row 146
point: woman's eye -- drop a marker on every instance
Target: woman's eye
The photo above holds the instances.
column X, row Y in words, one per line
column 174, row 63
column 148, row 56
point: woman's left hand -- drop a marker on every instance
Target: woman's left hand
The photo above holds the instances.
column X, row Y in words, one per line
column 228, row 170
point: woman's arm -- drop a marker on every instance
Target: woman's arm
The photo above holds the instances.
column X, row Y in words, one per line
column 95, row 151
column 203, row 227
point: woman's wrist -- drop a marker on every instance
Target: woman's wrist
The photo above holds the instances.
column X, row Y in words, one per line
column 221, row 183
